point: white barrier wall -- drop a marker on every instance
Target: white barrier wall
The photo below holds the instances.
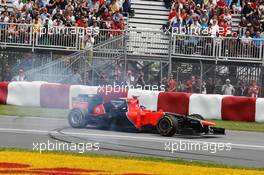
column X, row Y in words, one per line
column 149, row 99
column 75, row 90
column 259, row 115
column 24, row 93
column 209, row 106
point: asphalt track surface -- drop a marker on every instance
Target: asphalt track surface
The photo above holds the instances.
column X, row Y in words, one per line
column 247, row 148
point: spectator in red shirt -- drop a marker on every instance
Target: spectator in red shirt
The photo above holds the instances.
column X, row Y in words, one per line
column 106, row 14
column 82, row 22
column 183, row 14
column 224, row 28
column 171, row 84
column 254, row 89
column 221, row 4
column 189, row 84
column 173, row 14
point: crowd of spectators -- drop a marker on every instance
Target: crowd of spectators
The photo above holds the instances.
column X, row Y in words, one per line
column 210, row 86
column 43, row 14
column 215, row 16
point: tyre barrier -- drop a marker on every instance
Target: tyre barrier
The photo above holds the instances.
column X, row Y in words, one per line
column 51, row 95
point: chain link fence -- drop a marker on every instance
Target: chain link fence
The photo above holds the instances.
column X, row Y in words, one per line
column 208, row 78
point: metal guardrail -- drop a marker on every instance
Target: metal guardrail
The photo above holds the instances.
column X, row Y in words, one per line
column 15, row 35
column 132, row 42
column 218, row 47
column 242, row 49
column 194, row 45
column 55, row 38
column 58, row 38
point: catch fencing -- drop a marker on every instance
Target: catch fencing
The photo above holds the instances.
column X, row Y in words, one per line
column 195, row 77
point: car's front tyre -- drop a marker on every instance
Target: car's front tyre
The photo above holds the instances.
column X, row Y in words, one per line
column 77, row 118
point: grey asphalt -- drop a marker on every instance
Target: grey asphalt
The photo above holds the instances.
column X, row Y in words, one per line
column 247, row 148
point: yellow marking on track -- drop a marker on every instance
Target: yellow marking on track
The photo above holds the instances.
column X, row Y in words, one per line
column 20, row 163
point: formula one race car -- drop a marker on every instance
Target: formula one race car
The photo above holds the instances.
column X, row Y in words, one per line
column 127, row 113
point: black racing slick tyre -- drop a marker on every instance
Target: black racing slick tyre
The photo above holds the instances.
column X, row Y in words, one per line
column 196, row 116
column 167, row 125
column 77, row 118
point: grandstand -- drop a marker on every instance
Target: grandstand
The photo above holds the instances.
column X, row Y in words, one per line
column 139, row 41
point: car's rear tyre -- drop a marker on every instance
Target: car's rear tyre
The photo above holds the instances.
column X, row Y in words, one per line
column 77, row 118
column 167, row 125
column 196, row 116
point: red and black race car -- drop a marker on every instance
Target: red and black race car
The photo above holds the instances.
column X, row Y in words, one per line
column 126, row 113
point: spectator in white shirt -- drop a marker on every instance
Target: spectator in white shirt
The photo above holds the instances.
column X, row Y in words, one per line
column 196, row 25
column 18, row 5
column 130, row 79
column 228, row 89
column 88, row 41
column 20, row 77
column 227, row 16
column 6, row 18
column 57, row 10
column 44, row 15
column 215, row 29
column 246, row 39
column 58, row 23
column 28, row 5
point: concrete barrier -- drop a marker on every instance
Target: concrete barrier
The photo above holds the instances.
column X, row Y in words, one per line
column 24, row 93
column 259, row 116
column 209, row 106
column 174, row 102
column 50, row 95
column 3, row 92
column 238, row 108
column 54, row 96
